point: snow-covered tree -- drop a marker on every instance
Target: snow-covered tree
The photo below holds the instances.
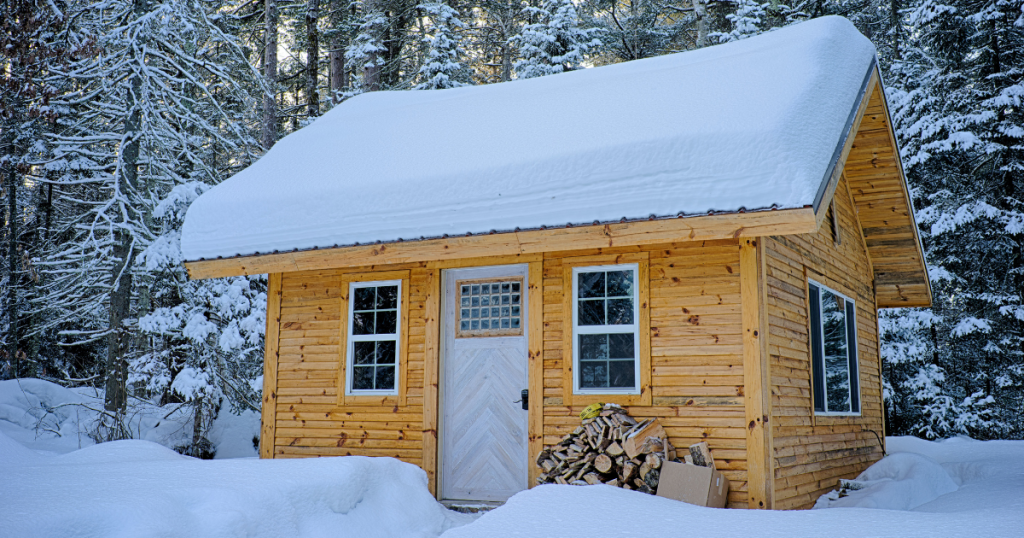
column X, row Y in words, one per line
column 156, row 106
column 635, row 29
column 206, row 337
column 747, row 21
column 365, row 54
column 555, row 42
column 956, row 100
column 442, row 65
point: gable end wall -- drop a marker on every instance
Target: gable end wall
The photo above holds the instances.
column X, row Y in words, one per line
column 812, row 452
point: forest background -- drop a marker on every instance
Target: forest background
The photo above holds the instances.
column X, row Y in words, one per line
column 116, row 114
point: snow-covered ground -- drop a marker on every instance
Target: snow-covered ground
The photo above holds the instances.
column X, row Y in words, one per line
column 951, row 489
column 50, row 488
column 49, row 418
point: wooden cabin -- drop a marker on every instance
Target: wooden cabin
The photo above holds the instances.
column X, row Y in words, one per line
column 703, row 237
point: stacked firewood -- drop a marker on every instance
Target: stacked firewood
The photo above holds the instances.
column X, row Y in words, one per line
column 611, row 448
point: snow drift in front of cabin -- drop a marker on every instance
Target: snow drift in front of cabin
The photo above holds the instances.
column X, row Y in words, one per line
column 741, row 125
column 948, row 489
column 139, row 488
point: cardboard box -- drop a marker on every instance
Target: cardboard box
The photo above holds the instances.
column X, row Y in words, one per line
column 635, row 443
column 703, row 486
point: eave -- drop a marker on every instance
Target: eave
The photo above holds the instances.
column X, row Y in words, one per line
column 682, row 229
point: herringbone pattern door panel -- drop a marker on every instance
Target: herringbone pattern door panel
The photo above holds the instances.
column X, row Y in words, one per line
column 484, row 437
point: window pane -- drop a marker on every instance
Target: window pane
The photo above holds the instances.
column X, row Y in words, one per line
column 387, row 322
column 386, row 352
column 385, row 378
column 591, row 285
column 620, row 346
column 387, row 297
column 363, row 352
column 621, row 374
column 837, row 366
column 591, row 313
column 593, row 346
column 620, row 311
column 362, row 323
column 593, row 374
column 362, row 378
column 620, row 283
column 364, row 298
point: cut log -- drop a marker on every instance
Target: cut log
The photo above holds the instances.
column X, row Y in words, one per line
column 702, row 455
column 603, row 463
column 653, row 461
column 634, row 443
column 628, row 470
column 614, row 449
column 591, row 478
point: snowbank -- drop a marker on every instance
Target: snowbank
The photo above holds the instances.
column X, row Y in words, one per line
column 139, row 488
column 746, row 124
column 909, row 490
column 49, row 418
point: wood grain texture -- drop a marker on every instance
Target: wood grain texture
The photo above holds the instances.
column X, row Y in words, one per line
column 535, row 334
column 879, row 188
column 311, row 417
column 812, row 452
column 431, row 372
column 696, row 228
column 268, row 416
column 756, row 374
column 485, row 433
column 696, row 349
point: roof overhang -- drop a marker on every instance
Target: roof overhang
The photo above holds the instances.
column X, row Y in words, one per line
column 649, row 232
column 867, row 155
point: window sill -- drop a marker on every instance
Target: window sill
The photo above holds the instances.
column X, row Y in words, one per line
column 369, row 399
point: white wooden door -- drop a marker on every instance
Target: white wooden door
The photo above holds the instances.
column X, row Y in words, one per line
column 484, row 430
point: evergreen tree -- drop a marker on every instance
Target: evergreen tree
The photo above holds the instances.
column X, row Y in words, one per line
column 555, row 42
column 636, row 29
column 155, row 107
column 957, row 110
column 442, row 66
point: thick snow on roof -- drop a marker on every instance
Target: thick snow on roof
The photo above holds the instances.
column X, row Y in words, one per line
column 748, row 124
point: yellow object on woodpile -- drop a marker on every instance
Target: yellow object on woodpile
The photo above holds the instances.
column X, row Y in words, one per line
column 591, row 411
column 596, row 452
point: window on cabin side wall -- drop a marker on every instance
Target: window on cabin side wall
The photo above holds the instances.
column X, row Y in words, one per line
column 605, row 329
column 374, row 315
column 833, row 352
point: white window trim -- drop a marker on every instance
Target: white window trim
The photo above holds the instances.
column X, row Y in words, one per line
column 605, row 329
column 821, row 338
column 353, row 338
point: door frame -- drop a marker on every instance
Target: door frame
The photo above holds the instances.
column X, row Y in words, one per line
column 432, row 357
column 442, row 359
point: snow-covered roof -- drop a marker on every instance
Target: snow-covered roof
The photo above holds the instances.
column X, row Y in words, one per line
column 744, row 125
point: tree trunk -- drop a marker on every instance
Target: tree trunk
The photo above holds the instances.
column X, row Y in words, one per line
column 270, row 74
column 116, row 398
column 312, row 58
column 371, row 72
column 338, row 81
column 702, row 23
column 12, row 274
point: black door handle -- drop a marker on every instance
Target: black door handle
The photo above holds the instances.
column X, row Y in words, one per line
column 524, row 396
